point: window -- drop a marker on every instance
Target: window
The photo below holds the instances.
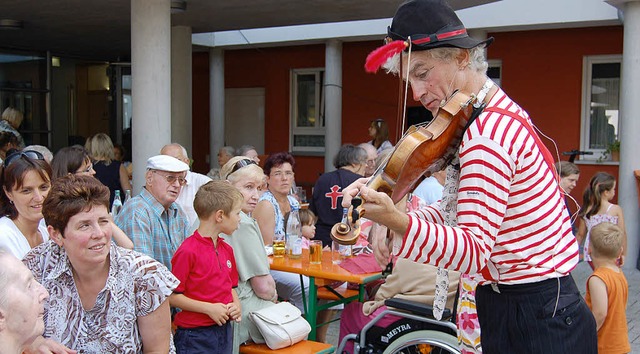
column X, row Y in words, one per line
column 494, row 71
column 23, row 86
column 307, row 111
column 600, row 103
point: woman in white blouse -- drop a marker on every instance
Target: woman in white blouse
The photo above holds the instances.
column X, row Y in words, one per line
column 26, row 180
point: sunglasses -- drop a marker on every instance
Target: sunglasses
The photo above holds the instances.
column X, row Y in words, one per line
column 31, row 154
column 242, row 163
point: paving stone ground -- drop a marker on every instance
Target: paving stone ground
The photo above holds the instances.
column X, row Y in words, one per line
column 580, row 274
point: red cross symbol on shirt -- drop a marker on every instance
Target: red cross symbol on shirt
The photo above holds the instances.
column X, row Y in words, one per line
column 334, row 196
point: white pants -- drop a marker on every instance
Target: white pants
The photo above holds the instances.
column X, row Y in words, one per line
column 289, row 288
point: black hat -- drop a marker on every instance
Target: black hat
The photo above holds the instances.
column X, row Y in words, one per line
column 431, row 24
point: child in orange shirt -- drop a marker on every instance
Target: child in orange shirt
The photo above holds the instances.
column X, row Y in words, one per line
column 607, row 289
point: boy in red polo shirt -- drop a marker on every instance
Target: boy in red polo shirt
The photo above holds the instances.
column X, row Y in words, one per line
column 206, row 268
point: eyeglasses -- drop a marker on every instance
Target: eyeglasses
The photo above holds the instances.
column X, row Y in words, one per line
column 27, row 153
column 242, row 163
column 86, row 170
column 171, row 179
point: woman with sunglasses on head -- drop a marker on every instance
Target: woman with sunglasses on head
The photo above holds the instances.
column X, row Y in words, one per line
column 379, row 132
column 75, row 160
column 26, row 180
column 256, row 287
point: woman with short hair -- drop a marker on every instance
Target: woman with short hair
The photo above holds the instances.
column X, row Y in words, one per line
column 103, row 298
column 10, row 122
column 350, row 164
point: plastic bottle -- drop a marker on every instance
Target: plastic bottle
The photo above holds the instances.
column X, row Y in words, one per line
column 294, row 235
column 117, row 205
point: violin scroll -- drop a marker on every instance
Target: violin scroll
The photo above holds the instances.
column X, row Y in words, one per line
column 347, row 231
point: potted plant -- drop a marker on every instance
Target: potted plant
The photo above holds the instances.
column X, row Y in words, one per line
column 613, row 150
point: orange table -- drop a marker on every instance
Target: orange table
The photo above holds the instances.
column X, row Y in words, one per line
column 326, row 270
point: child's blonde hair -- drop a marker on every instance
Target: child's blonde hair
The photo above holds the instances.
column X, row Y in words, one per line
column 216, row 195
column 307, row 217
column 606, row 240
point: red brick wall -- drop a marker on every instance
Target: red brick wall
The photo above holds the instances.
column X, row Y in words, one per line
column 541, row 70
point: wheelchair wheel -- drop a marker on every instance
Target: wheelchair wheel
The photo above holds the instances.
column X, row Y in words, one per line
column 424, row 342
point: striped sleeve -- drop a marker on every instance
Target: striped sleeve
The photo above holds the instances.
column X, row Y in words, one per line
column 512, row 224
column 486, row 171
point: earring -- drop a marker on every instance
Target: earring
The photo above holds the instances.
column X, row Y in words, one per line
column 11, row 202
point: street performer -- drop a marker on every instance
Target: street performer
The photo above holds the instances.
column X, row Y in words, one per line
column 507, row 225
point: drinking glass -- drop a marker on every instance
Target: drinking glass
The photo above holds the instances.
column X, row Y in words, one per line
column 315, row 252
column 278, row 245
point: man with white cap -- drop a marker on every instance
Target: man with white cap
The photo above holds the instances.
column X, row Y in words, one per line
column 194, row 181
column 152, row 219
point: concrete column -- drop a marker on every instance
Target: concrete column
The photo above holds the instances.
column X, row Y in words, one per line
column 333, row 102
column 629, row 128
column 181, row 99
column 216, row 99
column 151, row 82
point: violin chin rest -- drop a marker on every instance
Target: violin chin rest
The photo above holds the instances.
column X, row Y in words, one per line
column 344, row 234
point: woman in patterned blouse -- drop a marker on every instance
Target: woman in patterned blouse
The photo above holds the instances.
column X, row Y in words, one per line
column 103, row 298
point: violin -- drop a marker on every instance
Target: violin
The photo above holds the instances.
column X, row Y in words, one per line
column 422, row 150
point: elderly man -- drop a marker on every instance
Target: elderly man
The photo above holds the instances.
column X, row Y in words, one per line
column 372, row 155
column 152, row 219
column 194, row 181
column 22, row 301
column 502, row 218
column 224, row 154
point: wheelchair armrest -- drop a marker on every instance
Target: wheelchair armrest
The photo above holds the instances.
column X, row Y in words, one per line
column 415, row 307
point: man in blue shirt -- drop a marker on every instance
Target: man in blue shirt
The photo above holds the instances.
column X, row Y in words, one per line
column 152, row 219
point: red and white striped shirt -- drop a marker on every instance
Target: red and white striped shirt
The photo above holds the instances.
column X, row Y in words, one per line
column 513, row 226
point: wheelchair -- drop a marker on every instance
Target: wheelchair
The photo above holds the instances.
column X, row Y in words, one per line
column 416, row 332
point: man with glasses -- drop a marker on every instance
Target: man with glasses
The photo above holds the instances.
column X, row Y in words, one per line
column 194, row 182
column 153, row 220
column 372, row 155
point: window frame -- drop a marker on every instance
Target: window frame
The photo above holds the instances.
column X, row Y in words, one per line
column 319, row 128
column 585, row 113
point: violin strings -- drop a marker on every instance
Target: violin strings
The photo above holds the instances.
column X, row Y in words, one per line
column 406, row 87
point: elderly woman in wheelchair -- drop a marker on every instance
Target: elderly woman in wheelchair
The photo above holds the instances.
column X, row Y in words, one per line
column 399, row 319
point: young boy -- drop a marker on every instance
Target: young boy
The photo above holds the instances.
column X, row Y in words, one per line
column 206, row 268
column 607, row 289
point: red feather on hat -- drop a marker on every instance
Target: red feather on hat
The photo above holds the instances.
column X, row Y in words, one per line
column 380, row 56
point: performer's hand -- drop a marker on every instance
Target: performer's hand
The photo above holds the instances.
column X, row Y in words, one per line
column 352, row 190
column 380, row 244
column 378, row 207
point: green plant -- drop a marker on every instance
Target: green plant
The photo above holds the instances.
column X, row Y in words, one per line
column 614, row 146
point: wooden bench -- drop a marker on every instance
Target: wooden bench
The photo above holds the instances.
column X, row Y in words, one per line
column 303, row 347
column 326, row 294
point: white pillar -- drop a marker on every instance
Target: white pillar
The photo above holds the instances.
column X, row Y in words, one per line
column 151, row 82
column 333, row 102
column 629, row 128
column 181, row 100
column 216, row 104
